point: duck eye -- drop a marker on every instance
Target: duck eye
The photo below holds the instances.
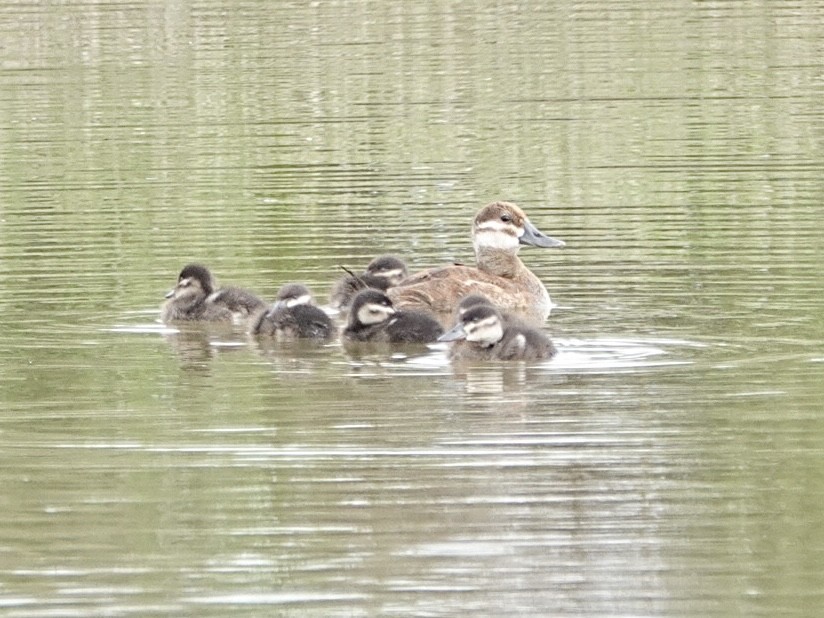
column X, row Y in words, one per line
column 506, row 218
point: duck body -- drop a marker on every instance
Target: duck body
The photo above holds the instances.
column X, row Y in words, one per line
column 373, row 318
column 381, row 273
column 498, row 231
column 483, row 334
column 293, row 316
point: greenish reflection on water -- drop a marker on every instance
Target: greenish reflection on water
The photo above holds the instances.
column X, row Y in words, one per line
column 667, row 463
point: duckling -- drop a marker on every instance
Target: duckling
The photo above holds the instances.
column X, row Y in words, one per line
column 293, row 316
column 381, row 273
column 373, row 318
column 194, row 298
column 497, row 233
column 188, row 300
column 482, row 334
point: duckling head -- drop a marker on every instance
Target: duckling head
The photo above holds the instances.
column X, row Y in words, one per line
column 469, row 301
column 293, row 294
column 371, row 307
column 389, row 268
column 194, row 280
column 504, row 226
column 481, row 324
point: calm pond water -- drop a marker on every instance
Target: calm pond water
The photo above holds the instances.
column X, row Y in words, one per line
column 668, row 462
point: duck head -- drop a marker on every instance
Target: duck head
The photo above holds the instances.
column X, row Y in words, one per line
column 370, row 307
column 504, row 226
column 193, row 281
column 293, row 294
column 480, row 324
column 388, row 268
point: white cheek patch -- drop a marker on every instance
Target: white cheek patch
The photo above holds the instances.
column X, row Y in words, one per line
column 486, row 331
column 373, row 314
column 299, row 300
column 390, row 275
column 393, row 276
column 496, row 238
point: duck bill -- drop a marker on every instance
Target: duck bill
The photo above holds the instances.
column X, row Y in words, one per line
column 536, row 238
column 454, row 334
column 170, row 293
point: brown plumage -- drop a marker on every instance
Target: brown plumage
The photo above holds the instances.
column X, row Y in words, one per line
column 497, row 233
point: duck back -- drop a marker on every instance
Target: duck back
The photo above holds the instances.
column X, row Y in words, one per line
column 298, row 322
column 439, row 290
column 413, row 327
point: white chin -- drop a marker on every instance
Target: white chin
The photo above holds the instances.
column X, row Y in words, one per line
column 495, row 240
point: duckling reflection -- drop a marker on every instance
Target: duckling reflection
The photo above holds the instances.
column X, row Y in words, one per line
column 381, row 273
column 498, row 231
column 293, row 316
column 374, row 318
column 482, row 334
column 194, row 299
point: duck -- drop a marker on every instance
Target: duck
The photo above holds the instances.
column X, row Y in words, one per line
column 194, row 298
column 373, row 318
column 482, row 333
column 381, row 273
column 293, row 316
column 498, row 231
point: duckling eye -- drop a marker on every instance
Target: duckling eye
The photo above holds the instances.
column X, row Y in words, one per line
column 506, row 218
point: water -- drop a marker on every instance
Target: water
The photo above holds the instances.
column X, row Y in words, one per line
column 668, row 462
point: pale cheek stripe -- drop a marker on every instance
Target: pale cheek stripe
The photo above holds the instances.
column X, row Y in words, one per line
column 480, row 327
column 389, row 274
column 497, row 239
column 300, row 300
